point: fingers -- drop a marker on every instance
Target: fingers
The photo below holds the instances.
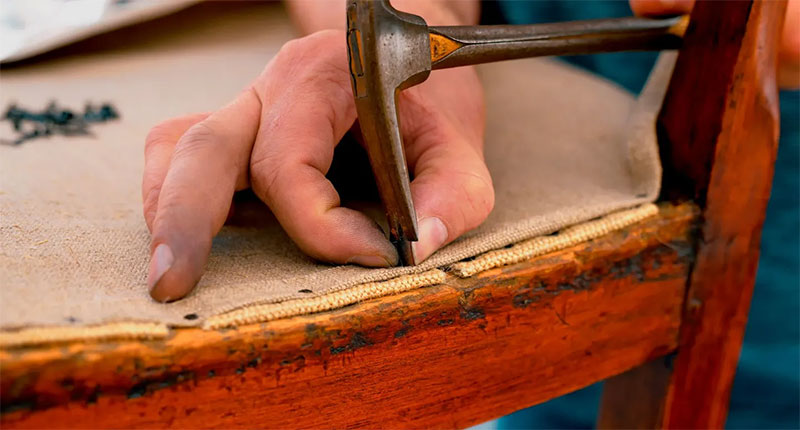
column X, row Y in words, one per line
column 661, row 7
column 158, row 148
column 452, row 192
column 452, row 189
column 306, row 116
column 208, row 164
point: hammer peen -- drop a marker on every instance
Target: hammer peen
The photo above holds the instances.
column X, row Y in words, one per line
column 391, row 50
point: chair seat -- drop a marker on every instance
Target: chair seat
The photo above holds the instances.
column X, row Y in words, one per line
column 450, row 355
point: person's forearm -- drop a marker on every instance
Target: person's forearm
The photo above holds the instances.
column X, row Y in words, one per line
column 310, row 16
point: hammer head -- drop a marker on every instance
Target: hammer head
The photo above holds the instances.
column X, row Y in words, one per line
column 388, row 50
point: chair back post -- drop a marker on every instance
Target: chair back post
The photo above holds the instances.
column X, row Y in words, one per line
column 718, row 137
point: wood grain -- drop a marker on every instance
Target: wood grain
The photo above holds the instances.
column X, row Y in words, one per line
column 721, row 284
column 719, row 126
column 691, row 114
column 636, row 398
column 451, row 355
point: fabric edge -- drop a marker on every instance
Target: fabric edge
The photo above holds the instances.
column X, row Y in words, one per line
column 644, row 161
column 118, row 330
column 545, row 244
column 337, row 299
column 257, row 313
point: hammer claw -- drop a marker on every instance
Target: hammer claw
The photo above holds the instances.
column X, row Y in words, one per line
column 386, row 155
column 391, row 50
column 388, row 51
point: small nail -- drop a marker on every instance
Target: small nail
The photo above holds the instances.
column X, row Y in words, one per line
column 432, row 235
column 370, row 261
column 160, row 262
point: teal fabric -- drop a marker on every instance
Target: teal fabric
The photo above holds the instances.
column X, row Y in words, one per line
column 628, row 69
column 766, row 390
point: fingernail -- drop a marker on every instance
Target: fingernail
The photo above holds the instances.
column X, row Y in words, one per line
column 370, row 261
column 160, row 262
column 432, row 235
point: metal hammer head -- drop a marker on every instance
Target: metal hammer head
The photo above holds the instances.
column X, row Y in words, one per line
column 388, row 50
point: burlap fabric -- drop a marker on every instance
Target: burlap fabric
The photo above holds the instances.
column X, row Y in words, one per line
column 563, row 147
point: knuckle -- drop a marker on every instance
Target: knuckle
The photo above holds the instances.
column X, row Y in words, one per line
column 199, row 137
column 303, row 53
column 316, row 58
column 310, row 45
column 203, row 141
column 150, row 204
column 151, row 186
column 290, row 50
column 161, row 134
column 478, row 197
column 265, row 172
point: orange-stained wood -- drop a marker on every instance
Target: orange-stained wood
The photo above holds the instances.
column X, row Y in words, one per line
column 450, row 355
column 636, row 398
column 719, row 127
column 721, row 284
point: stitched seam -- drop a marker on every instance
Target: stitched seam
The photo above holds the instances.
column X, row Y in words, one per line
column 546, row 244
column 272, row 311
column 121, row 330
column 267, row 312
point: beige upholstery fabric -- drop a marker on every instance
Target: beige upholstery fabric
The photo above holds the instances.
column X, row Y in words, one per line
column 563, row 147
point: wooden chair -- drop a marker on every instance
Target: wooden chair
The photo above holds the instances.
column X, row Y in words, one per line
column 659, row 308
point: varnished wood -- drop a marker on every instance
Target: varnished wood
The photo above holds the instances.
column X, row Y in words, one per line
column 448, row 356
column 721, row 283
column 635, row 399
column 698, row 89
column 470, row 350
column 720, row 128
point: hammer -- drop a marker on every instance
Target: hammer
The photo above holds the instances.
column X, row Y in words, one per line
column 391, row 50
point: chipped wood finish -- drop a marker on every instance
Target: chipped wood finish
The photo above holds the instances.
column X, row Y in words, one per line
column 450, row 355
column 720, row 125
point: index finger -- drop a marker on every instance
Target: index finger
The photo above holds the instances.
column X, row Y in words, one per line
column 209, row 161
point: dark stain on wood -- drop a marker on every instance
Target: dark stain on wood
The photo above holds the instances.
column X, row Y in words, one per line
column 137, row 391
column 357, row 341
column 506, row 300
column 402, row 332
column 522, row 300
column 718, row 135
column 469, row 311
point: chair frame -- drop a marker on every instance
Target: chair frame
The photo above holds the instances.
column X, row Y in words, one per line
column 659, row 307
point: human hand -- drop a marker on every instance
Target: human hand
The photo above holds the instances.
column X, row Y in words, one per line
column 788, row 53
column 278, row 137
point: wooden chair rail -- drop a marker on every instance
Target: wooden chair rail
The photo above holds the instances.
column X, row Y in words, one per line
column 466, row 351
column 450, row 355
